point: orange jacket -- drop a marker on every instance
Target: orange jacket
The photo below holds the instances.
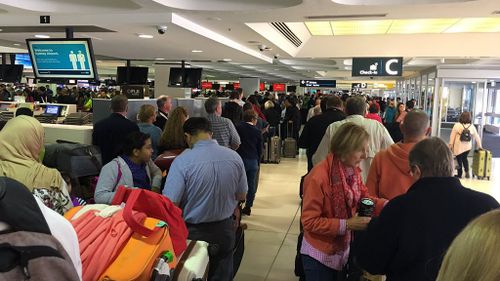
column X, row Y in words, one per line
column 389, row 172
column 323, row 207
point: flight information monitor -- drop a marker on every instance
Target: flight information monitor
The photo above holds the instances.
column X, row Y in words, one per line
column 62, row 58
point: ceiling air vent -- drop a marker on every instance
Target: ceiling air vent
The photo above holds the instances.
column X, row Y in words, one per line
column 287, row 32
column 338, row 17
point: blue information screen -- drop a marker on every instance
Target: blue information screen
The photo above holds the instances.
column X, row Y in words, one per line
column 62, row 59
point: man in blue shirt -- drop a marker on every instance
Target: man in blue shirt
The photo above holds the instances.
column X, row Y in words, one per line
column 207, row 181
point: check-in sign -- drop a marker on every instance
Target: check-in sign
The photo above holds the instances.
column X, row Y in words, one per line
column 377, row 67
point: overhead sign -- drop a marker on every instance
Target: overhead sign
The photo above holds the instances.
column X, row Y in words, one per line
column 377, row 67
column 206, row 85
column 44, row 19
column 359, row 85
column 277, row 87
column 318, row 83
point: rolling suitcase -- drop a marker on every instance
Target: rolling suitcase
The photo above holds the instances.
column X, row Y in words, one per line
column 275, row 150
column 290, row 144
column 481, row 164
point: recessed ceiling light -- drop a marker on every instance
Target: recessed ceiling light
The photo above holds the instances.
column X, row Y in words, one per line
column 145, row 36
column 159, row 58
column 196, row 51
column 16, row 44
column 43, row 36
column 226, row 59
column 1, row 30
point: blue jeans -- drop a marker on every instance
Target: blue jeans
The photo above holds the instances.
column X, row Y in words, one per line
column 315, row 271
column 251, row 168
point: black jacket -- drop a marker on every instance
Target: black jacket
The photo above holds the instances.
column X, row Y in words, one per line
column 410, row 238
column 272, row 116
column 161, row 120
column 232, row 111
column 315, row 129
column 251, row 141
column 292, row 113
column 110, row 133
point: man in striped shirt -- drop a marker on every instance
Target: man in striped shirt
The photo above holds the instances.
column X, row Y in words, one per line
column 223, row 129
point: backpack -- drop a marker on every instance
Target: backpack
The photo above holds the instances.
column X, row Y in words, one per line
column 466, row 136
column 28, row 251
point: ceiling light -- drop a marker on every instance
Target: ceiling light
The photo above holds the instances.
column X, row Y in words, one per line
column 145, row 36
column 16, row 44
column 1, row 30
column 412, row 26
column 475, row 25
column 317, row 28
column 348, row 62
column 42, row 36
column 159, row 58
column 214, row 36
column 196, row 51
column 227, row 60
column 360, row 27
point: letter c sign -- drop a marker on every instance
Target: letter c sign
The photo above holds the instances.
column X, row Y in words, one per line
column 388, row 67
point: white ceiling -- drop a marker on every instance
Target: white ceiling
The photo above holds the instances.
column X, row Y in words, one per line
column 320, row 57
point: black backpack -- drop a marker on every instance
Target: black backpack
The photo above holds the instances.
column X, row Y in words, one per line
column 466, row 136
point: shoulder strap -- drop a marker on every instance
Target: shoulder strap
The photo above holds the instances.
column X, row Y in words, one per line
column 119, row 176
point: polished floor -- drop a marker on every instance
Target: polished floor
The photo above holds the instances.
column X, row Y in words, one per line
column 273, row 227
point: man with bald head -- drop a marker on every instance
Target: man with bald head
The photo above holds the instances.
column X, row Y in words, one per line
column 388, row 176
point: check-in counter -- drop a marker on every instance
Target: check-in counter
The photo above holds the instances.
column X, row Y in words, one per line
column 74, row 133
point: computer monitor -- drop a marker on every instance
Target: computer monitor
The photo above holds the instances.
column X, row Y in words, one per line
column 11, row 72
column 53, row 110
column 133, row 75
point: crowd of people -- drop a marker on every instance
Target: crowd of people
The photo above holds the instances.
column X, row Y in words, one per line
column 361, row 152
column 82, row 97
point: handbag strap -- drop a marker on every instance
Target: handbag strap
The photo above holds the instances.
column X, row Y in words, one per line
column 135, row 225
column 119, row 176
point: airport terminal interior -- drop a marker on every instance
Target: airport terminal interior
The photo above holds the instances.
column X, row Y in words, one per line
column 443, row 56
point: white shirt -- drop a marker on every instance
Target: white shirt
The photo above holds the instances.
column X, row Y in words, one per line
column 379, row 139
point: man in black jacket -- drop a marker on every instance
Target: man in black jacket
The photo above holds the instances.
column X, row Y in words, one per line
column 164, row 104
column 314, row 130
column 292, row 118
column 110, row 133
column 410, row 238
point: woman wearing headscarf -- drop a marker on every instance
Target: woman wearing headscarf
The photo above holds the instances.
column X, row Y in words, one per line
column 21, row 143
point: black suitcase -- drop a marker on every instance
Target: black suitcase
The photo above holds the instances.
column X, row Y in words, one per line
column 75, row 159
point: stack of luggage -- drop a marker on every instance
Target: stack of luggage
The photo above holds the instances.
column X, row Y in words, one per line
column 78, row 118
column 6, row 115
column 145, row 240
column 46, row 118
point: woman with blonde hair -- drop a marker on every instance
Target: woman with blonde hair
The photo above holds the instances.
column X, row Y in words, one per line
column 474, row 254
column 173, row 135
column 147, row 116
column 332, row 193
column 22, row 143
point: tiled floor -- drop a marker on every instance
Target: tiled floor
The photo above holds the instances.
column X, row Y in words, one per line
column 273, row 227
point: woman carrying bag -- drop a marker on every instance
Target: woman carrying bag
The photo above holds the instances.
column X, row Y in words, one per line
column 461, row 142
column 332, row 192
